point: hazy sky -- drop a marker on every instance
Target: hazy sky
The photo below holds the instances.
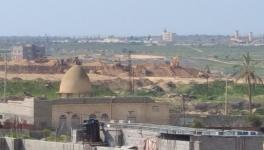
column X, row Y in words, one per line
column 130, row 17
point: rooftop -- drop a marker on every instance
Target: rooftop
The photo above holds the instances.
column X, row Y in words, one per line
column 92, row 100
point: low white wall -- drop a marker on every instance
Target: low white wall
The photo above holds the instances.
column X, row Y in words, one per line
column 9, row 144
column 19, row 144
column 228, row 143
column 173, row 145
column 44, row 145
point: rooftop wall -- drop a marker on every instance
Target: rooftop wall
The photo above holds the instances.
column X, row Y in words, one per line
column 23, row 110
column 228, row 143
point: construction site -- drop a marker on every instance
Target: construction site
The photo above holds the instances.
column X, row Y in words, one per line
column 119, row 68
column 125, row 101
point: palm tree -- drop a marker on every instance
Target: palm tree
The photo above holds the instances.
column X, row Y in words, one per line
column 247, row 73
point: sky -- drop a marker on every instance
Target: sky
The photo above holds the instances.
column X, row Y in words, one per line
column 129, row 17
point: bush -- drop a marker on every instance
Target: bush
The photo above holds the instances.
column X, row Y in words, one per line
column 98, row 90
column 46, row 133
column 201, row 107
column 18, row 135
column 61, row 138
column 197, row 124
column 254, row 121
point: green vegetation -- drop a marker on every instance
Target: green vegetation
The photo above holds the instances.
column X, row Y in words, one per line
column 197, row 124
column 216, row 91
column 99, row 91
column 46, row 132
column 211, row 94
column 254, row 121
column 48, row 89
column 18, row 135
column 45, row 89
column 39, row 88
column 149, row 93
column 247, row 73
column 197, row 56
column 217, row 51
column 61, row 138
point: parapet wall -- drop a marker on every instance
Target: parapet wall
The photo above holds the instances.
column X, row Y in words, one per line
column 227, row 143
column 209, row 121
column 26, row 144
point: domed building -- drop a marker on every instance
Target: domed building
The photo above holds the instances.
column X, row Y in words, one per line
column 75, row 83
column 76, row 105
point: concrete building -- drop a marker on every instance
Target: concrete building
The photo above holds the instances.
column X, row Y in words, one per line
column 27, row 52
column 183, row 138
column 250, row 36
column 144, row 137
column 236, row 36
column 168, row 36
column 74, row 106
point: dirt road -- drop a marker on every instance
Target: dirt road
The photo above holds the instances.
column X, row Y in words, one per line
column 96, row 77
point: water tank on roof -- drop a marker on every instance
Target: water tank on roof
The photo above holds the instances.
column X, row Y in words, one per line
column 91, row 130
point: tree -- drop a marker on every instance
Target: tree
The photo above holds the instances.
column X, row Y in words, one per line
column 206, row 75
column 247, row 73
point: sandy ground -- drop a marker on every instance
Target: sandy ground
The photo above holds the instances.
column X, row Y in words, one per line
column 51, row 77
column 96, row 77
column 141, row 56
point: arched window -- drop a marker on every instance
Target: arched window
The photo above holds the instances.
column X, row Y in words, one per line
column 92, row 116
column 62, row 122
column 75, row 121
column 104, row 117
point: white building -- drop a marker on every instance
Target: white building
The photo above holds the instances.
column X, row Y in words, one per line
column 168, row 36
column 250, row 36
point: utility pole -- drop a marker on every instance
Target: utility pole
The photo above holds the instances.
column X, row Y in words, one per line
column 183, row 108
column 5, row 80
column 130, row 70
column 130, row 73
column 5, row 52
column 226, row 98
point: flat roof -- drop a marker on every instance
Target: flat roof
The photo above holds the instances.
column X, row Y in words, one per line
column 94, row 100
column 178, row 130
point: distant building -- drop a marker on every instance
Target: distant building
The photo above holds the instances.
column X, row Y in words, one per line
column 236, row 34
column 112, row 40
column 28, row 52
column 240, row 39
column 168, row 36
column 250, row 36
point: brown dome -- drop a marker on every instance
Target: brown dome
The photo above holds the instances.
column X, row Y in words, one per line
column 75, row 81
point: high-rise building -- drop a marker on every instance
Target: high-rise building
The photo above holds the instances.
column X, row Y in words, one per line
column 168, row 36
